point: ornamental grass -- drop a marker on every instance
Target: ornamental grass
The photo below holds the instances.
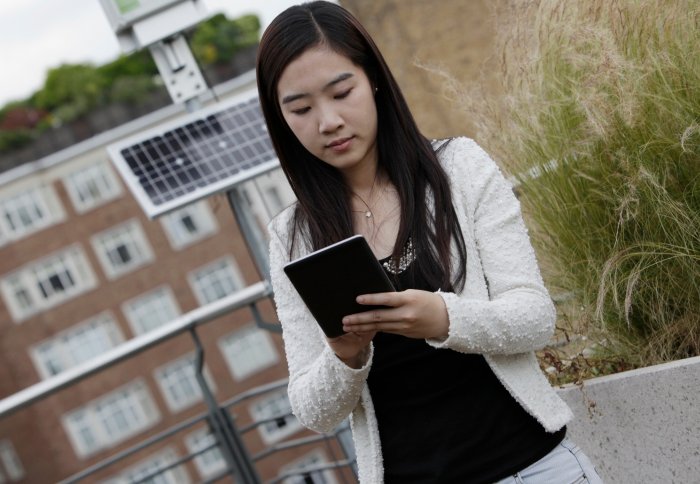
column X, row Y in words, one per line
column 598, row 122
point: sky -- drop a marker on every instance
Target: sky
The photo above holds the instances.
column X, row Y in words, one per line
column 36, row 35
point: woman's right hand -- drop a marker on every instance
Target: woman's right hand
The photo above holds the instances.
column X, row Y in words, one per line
column 352, row 348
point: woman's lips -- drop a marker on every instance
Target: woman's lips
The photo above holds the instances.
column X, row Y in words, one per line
column 340, row 145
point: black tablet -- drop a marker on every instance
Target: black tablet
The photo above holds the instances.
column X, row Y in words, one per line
column 328, row 281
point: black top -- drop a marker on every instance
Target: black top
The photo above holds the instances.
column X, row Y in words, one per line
column 443, row 416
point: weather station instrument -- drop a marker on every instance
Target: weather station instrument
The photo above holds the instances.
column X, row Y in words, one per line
column 209, row 150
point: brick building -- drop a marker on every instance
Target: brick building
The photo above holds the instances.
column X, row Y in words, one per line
column 82, row 270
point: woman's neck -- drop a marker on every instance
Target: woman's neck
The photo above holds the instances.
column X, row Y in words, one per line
column 376, row 210
column 363, row 181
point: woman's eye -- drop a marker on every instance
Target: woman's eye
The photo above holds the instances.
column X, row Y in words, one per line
column 343, row 94
column 301, row 110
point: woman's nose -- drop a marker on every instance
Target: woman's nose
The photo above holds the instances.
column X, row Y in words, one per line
column 329, row 121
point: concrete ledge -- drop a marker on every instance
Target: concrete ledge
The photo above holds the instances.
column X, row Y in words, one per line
column 640, row 425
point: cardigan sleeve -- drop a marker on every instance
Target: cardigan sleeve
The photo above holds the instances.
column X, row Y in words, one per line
column 322, row 390
column 518, row 315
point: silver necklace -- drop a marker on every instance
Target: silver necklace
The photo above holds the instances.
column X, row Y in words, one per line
column 368, row 213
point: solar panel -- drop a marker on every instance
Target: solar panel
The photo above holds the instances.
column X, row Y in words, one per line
column 198, row 155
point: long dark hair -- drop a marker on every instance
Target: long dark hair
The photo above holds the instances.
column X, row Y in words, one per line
column 322, row 213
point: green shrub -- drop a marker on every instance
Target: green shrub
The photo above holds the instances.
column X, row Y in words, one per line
column 15, row 139
column 217, row 40
column 132, row 89
column 79, row 85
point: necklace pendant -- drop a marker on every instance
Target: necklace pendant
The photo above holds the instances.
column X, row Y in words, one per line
column 368, row 214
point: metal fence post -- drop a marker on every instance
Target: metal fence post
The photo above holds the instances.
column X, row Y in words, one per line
column 231, row 444
column 252, row 233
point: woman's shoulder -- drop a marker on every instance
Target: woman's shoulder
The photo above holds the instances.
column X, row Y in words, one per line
column 458, row 145
column 281, row 224
column 286, row 229
column 463, row 157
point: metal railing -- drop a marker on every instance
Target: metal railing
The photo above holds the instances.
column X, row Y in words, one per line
column 220, row 417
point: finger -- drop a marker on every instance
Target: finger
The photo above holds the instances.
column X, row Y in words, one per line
column 391, row 299
column 373, row 316
column 386, row 327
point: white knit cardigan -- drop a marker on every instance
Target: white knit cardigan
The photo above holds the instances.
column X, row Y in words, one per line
column 504, row 313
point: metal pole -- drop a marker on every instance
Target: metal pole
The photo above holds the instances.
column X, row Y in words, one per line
column 212, row 406
column 232, row 448
column 253, row 235
column 261, row 323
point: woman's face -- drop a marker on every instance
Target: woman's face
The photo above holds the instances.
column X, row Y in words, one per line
column 328, row 103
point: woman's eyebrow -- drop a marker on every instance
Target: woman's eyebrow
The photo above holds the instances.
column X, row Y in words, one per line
column 339, row 78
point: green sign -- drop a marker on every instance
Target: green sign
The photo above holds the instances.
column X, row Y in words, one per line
column 126, row 6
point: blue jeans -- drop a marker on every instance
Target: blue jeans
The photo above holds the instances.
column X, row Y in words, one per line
column 566, row 464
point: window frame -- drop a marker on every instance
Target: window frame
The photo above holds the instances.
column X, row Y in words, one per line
column 258, row 411
column 43, row 198
column 168, row 302
column 105, row 180
column 200, row 293
column 60, row 348
column 264, row 343
column 315, row 457
column 93, row 416
column 157, row 460
column 106, row 242
column 29, row 281
column 193, row 442
column 11, row 463
column 173, row 404
column 201, row 213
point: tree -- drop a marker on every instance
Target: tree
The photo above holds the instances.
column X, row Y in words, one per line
column 137, row 64
column 218, row 39
column 76, row 84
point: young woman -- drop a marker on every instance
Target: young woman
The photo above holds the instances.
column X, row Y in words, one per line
column 443, row 386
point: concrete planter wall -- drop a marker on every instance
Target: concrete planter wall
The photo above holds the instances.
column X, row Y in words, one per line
column 641, row 426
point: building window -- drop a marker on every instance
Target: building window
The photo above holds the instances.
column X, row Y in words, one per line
column 122, row 249
column 274, row 199
column 151, row 310
column 29, row 211
column 210, row 462
column 47, row 283
column 92, row 186
column 315, row 458
column 248, row 351
column 178, row 383
column 188, row 225
column 276, row 407
column 268, row 194
column 110, row 419
column 11, row 464
column 156, row 469
column 215, row 281
column 80, row 343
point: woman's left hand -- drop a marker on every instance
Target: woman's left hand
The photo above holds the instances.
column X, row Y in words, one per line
column 411, row 313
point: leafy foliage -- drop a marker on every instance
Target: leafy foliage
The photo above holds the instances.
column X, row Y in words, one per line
column 10, row 140
column 77, row 84
column 218, row 39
